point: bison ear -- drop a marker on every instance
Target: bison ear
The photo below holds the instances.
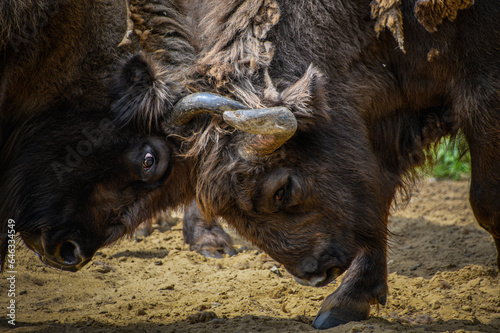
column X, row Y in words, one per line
column 143, row 96
column 306, row 98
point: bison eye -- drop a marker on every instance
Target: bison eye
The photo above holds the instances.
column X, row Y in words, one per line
column 280, row 194
column 148, row 162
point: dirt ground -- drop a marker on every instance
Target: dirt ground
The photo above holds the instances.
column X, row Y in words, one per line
column 442, row 278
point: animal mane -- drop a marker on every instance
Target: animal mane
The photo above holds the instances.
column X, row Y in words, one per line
column 432, row 13
column 149, row 83
column 413, row 136
column 235, row 49
column 167, row 31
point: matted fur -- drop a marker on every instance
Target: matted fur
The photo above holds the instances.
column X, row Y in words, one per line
column 144, row 91
column 388, row 15
column 236, row 38
column 20, row 20
column 431, row 13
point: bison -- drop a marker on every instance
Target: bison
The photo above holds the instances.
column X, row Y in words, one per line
column 71, row 180
column 334, row 104
column 372, row 87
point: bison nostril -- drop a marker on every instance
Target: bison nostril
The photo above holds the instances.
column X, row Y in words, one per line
column 69, row 252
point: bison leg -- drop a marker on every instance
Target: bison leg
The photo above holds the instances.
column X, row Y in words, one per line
column 364, row 283
column 205, row 237
column 485, row 183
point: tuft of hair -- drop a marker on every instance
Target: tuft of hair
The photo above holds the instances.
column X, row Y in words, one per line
column 306, row 98
column 144, row 96
column 235, row 33
column 404, row 144
column 430, row 13
column 387, row 14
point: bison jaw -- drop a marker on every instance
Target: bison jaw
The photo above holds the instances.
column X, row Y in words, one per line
column 321, row 280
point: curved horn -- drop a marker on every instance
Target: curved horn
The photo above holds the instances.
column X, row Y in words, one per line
column 268, row 128
column 192, row 105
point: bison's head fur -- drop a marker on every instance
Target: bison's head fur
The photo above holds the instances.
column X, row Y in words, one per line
column 144, row 93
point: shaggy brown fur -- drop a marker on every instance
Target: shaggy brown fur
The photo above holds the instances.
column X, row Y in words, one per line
column 57, row 64
column 21, row 20
column 240, row 48
column 38, row 69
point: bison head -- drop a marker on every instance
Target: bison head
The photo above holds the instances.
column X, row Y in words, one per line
column 295, row 178
column 74, row 180
column 308, row 205
column 76, row 185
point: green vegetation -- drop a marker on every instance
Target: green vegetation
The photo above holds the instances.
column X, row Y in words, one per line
column 451, row 159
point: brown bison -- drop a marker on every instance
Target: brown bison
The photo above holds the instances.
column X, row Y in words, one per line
column 55, row 65
column 334, row 104
column 371, row 89
column 70, row 179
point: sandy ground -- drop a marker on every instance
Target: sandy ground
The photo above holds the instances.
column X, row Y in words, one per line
column 442, row 278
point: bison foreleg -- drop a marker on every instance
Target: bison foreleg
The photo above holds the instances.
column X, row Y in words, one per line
column 205, row 237
column 364, row 283
column 485, row 182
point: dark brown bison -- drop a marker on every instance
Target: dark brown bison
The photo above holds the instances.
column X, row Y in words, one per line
column 370, row 85
column 70, row 179
column 55, row 62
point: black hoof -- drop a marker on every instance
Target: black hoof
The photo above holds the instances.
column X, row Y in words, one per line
column 336, row 317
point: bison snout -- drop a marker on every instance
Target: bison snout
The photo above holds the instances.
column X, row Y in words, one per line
column 68, row 256
column 69, row 253
column 312, row 272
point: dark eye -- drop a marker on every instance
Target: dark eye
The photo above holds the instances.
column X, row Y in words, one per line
column 148, row 162
column 280, row 194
